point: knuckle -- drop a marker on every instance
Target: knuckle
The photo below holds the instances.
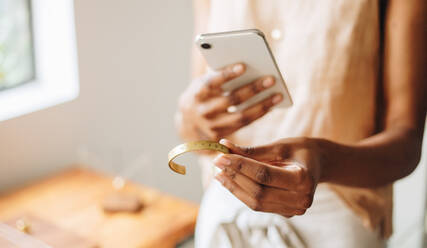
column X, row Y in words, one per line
column 306, row 201
column 200, row 96
column 202, row 111
column 299, row 176
column 256, row 87
column 233, row 99
column 265, row 107
column 300, row 212
column 215, row 128
column 243, row 119
column 306, row 182
column 215, row 133
column 215, row 136
column 230, row 172
column 310, row 185
column 249, row 150
column 238, row 165
column 255, row 205
column 262, row 175
column 210, row 86
column 304, row 140
column 283, row 151
column 258, row 193
column 269, row 101
column 206, row 114
column 229, row 185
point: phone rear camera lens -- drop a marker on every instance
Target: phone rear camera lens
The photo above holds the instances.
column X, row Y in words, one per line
column 206, row 45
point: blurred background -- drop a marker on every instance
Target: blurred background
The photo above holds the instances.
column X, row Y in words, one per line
column 133, row 60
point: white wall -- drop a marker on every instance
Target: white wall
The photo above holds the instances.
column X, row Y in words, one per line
column 133, row 60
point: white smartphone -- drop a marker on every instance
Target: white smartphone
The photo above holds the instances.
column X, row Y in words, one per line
column 248, row 47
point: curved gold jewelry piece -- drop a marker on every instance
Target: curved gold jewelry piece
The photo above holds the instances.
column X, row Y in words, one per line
column 191, row 147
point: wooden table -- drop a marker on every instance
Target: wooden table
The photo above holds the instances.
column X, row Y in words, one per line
column 71, row 202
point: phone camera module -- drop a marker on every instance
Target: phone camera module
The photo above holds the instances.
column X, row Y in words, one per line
column 206, row 45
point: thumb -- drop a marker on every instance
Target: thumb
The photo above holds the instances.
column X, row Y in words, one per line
column 260, row 153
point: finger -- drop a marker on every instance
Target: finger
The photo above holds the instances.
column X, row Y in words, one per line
column 287, row 177
column 261, row 153
column 258, row 110
column 214, row 83
column 290, row 199
column 233, row 122
column 237, row 191
column 247, row 91
column 252, row 203
column 282, row 210
column 210, row 109
column 221, row 104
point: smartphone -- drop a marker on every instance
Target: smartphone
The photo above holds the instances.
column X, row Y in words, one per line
column 251, row 48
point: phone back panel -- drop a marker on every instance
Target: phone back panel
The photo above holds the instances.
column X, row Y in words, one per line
column 248, row 47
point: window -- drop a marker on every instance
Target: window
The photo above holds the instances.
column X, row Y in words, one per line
column 38, row 62
column 16, row 44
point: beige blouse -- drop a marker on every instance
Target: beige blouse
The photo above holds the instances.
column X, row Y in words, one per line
column 328, row 52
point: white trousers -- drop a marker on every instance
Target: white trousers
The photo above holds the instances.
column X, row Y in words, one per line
column 224, row 221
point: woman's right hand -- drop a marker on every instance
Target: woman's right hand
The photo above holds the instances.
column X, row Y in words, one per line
column 204, row 106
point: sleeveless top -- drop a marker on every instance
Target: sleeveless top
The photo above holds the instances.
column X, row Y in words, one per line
column 328, row 52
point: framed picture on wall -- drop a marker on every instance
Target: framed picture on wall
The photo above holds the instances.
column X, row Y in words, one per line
column 38, row 61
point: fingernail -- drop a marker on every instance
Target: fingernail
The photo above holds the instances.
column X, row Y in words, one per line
column 227, row 143
column 267, row 82
column 277, row 98
column 231, row 109
column 220, row 161
column 223, row 141
column 237, row 69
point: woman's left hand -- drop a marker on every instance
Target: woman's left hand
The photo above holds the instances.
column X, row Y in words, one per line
column 279, row 178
